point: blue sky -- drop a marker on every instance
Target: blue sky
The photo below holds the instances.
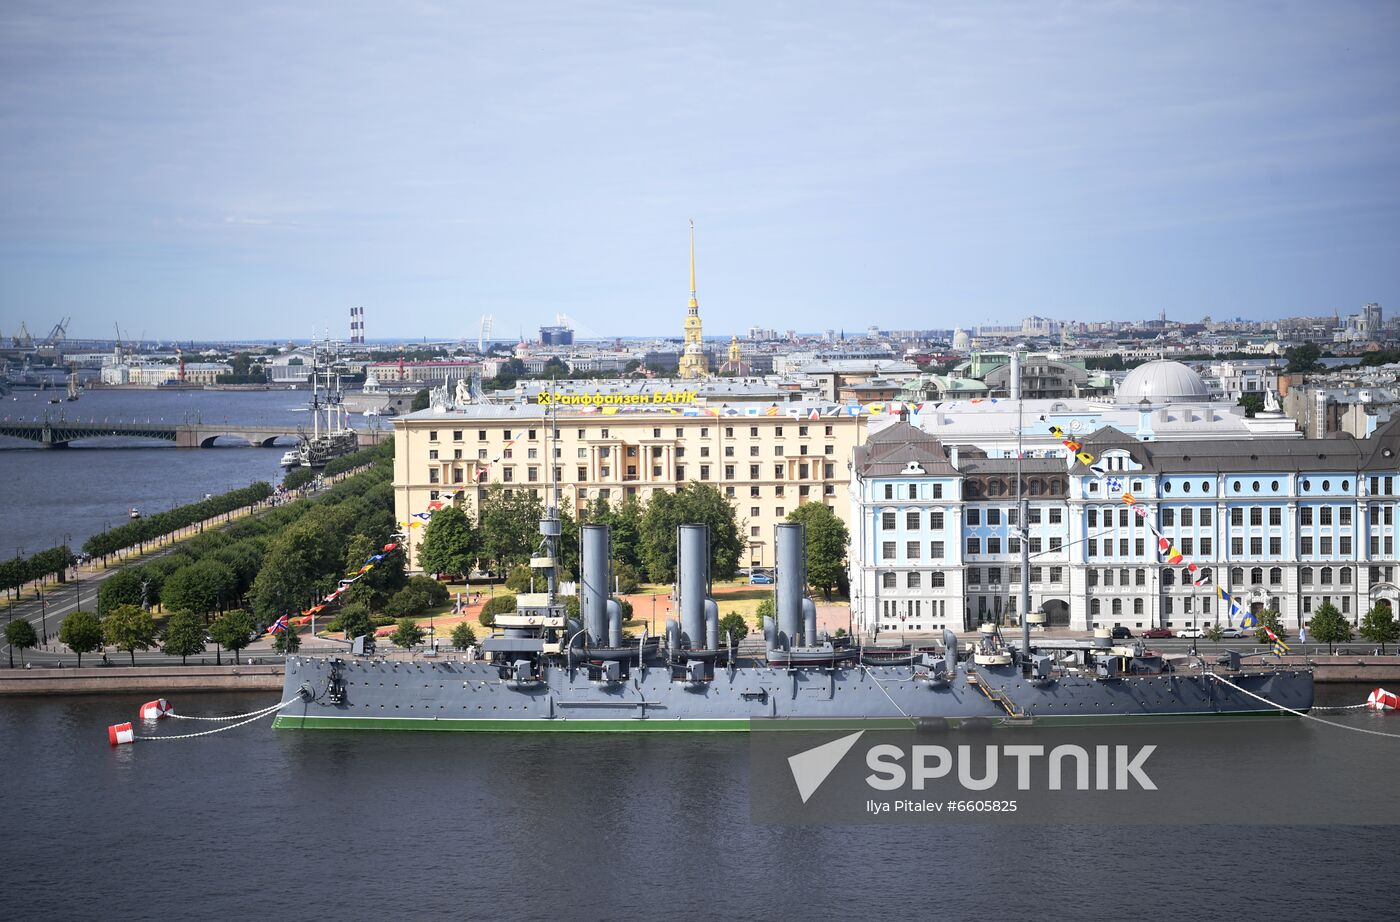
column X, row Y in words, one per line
column 218, row 170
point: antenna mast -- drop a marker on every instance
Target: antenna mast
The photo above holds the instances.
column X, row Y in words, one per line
column 1022, row 509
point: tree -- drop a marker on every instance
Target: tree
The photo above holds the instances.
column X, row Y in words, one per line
column 1214, row 632
column 1303, row 358
column 449, row 543
column 827, row 538
column 629, row 580
column 693, row 504
column 421, row 400
column 288, row 641
column 520, row 578
column 125, row 587
column 508, row 526
column 421, row 594
column 498, row 605
column 129, row 628
column 375, row 586
column 463, row 636
column 233, row 630
column 765, row 609
column 1379, row 626
column 355, row 620
column 299, row 562
column 203, row 587
column 732, row 628
column 81, row 632
column 20, row 635
column 1253, row 404
column 183, row 635
column 1268, row 618
column 1328, row 626
column 408, row 634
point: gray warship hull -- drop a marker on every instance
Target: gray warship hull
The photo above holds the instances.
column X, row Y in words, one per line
column 375, row 694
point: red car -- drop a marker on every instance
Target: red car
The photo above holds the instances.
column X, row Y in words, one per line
column 1156, row 633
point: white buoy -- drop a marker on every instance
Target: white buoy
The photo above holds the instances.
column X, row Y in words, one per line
column 1382, row 700
column 120, row 734
column 155, row 710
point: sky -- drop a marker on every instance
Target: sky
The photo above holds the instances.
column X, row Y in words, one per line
column 200, row 170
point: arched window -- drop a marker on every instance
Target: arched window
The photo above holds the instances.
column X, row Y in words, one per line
column 1306, row 576
column 1345, row 574
column 1236, row 576
column 1168, row 577
column 1094, row 607
column 1137, row 606
column 887, row 579
column 936, row 579
column 1256, row 576
column 1118, row 606
column 1326, row 576
column 1276, row 576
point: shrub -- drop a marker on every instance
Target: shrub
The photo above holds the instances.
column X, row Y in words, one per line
column 518, row 580
column 496, row 606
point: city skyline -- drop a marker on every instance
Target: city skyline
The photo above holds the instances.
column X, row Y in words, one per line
column 257, row 174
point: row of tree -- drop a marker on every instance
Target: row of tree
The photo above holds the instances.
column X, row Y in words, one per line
column 138, row 532
column 505, row 534
column 18, row 571
column 1329, row 626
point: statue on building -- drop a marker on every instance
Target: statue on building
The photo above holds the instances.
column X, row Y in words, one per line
column 464, row 396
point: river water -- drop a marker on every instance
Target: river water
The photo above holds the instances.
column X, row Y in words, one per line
column 50, row 493
column 257, row 823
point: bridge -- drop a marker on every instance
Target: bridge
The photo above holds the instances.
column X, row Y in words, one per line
column 60, row 433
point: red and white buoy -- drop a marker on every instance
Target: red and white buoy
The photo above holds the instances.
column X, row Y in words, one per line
column 155, row 710
column 1382, row 700
column 119, row 734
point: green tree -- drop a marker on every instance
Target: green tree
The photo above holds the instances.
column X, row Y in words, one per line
column 129, row 628
column 519, row 578
column 1253, row 404
column 125, row 587
column 449, row 543
column 1271, row 619
column 827, row 539
column 732, row 627
column 202, row 587
column 81, row 632
column 765, row 609
column 300, row 562
column 20, row 635
column 498, row 605
column 1303, row 358
column 233, row 630
column 1379, row 626
column 693, row 504
column 628, row 579
column 408, row 634
column 508, row 526
column 1327, row 625
column 1214, row 632
column 183, row 635
column 286, row 642
column 420, row 594
column 377, row 585
column 421, row 401
column 355, row 620
column 463, row 636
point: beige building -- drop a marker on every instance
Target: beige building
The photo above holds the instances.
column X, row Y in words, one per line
column 767, row 464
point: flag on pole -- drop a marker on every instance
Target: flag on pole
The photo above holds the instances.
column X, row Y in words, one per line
column 278, row 626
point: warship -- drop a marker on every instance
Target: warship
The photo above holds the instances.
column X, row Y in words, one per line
column 542, row 670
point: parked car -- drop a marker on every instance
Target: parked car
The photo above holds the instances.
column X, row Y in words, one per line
column 1120, row 633
column 1231, row 632
column 760, row 579
column 1190, row 633
column 1157, row 633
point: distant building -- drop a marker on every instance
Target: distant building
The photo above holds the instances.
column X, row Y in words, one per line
column 694, row 363
column 357, row 326
column 556, row 336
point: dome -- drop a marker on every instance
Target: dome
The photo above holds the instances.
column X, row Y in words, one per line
column 1162, row 382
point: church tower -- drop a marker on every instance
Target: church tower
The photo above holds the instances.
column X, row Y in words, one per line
column 693, row 362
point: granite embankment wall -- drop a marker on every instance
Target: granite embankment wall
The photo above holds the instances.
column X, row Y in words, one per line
column 1349, row 668
column 154, row 680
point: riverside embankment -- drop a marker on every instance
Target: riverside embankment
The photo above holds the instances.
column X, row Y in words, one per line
column 155, row 680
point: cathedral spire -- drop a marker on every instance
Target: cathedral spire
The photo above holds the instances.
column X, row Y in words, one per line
column 693, row 361
column 694, row 304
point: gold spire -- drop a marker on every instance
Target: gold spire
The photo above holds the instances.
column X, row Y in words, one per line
column 694, row 304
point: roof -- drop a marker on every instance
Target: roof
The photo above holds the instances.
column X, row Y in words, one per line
column 898, row 449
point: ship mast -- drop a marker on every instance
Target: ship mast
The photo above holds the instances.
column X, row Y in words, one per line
column 1022, row 511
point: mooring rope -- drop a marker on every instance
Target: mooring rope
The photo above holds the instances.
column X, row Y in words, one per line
column 255, row 716
column 1290, row 710
column 881, row 686
column 256, row 713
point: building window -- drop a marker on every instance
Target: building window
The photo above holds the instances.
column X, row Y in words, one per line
column 1256, row 546
column 935, row 521
column 1305, row 515
column 887, row 521
column 887, row 550
column 1275, row 516
column 1325, row 515
column 1056, row 574
column 1256, row 515
column 974, row 545
column 974, row 517
column 993, row 545
column 912, row 580
column 1305, row 576
column 1056, row 517
column 911, row 521
column 911, row 549
column 1256, row 576
column 1168, row 516
column 889, row 491
column 1056, row 544
column 432, row 475
column 936, row 579
column 887, row 580
column 935, row 550
column 1237, row 517
column 1275, row 576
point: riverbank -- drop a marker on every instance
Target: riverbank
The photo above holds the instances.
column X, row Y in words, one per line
column 154, row 680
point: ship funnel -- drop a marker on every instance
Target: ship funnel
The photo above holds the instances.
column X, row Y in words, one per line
column 595, row 546
column 693, row 587
column 797, row 616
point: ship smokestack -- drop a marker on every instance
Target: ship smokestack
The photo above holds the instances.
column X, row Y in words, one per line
column 797, row 616
column 595, row 545
column 693, row 587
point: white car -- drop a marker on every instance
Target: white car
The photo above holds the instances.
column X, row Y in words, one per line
column 1231, row 632
column 1190, row 633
